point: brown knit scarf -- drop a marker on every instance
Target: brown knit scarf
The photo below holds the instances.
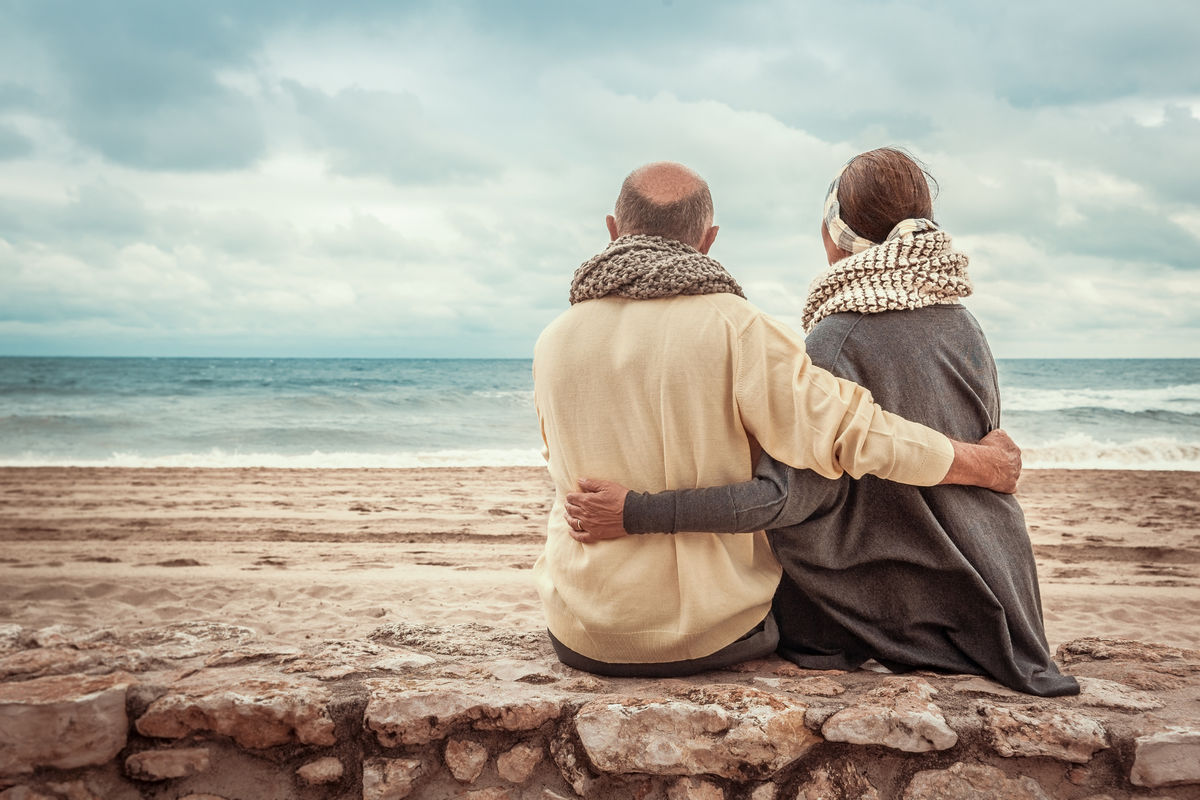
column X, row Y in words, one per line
column 911, row 271
column 643, row 267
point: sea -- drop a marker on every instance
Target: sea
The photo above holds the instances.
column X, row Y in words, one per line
column 344, row 412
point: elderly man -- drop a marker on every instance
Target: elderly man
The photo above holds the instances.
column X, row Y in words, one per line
column 661, row 375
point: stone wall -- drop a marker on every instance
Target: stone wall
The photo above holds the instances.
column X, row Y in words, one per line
column 206, row 711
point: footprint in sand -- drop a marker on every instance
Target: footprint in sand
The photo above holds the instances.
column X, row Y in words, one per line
column 94, row 590
column 176, row 562
column 52, row 591
column 149, row 599
column 324, row 592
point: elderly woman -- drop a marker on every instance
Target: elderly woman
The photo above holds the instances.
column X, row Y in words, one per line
column 934, row 578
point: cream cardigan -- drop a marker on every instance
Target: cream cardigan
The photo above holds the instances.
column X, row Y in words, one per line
column 680, row 392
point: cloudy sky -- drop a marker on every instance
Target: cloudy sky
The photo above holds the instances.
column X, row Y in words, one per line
column 421, row 178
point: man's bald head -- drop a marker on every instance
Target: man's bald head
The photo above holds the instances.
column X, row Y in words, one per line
column 665, row 199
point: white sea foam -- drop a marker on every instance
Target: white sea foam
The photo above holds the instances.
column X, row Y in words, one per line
column 1076, row 451
column 314, row 460
column 522, row 395
column 1080, row 451
column 1181, row 399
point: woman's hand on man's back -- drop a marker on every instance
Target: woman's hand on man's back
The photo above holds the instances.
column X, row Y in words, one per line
column 597, row 511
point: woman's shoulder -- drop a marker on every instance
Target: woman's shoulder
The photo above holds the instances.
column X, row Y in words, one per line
column 849, row 333
column 905, row 356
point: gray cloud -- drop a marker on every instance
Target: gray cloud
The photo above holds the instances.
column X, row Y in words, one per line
column 13, row 144
column 214, row 132
column 16, row 96
column 1163, row 157
column 385, row 133
column 140, row 84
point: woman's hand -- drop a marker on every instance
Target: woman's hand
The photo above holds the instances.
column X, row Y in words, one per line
column 597, row 511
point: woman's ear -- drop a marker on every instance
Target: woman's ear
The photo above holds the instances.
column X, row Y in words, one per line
column 832, row 252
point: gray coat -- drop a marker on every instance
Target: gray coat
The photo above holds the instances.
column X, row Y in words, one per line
column 935, row 578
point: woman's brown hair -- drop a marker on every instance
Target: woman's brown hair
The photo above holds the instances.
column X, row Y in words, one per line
column 881, row 188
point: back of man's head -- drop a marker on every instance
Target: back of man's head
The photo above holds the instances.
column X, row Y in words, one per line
column 665, row 199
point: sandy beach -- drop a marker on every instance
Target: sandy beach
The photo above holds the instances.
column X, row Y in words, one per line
column 298, row 554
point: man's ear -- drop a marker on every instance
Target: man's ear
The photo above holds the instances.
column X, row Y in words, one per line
column 707, row 240
column 611, row 222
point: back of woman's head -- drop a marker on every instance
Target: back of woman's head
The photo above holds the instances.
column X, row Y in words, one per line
column 879, row 189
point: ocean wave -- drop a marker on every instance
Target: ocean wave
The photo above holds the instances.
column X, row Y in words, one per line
column 1181, row 399
column 522, row 396
column 1076, row 451
column 1080, row 451
column 217, row 458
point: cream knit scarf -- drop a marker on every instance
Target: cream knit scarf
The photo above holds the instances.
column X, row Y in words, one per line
column 644, row 267
column 910, row 271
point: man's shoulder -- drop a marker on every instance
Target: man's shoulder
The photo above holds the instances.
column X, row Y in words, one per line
column 737, row 310
column 730, row 305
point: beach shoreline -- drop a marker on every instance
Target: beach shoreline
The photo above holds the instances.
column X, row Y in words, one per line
column 334, row 553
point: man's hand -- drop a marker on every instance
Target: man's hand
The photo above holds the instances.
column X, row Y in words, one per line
column 597, row 511
column 994, row 463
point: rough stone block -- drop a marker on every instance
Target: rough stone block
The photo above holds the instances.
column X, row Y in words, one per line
column 900, row 714
column 94, row 659
column 1097, row 648
column 520, row 670
column 842, row 781
column 571, row 761
column 64, row 721
column 1043, row 731
column 10, row 637
column 728, row 731
column 323, row 770
column 24, row 793
column 981, row 685
column 1110, row 694
column 764, row 791
column 1167, row 758
column 465, row 759
column 517, row 765
column 491, row 793
column 72, row 790
column 390, row 778
column 971, row 782
column 694, row 789
column 419, row 716
column 161, row 765
column 255, row 712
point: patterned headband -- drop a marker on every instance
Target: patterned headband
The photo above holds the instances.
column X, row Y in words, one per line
column 845, row 237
